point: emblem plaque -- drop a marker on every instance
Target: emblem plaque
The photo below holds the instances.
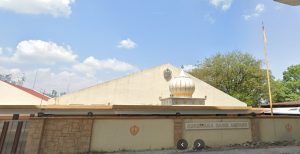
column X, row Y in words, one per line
column 134, row 130
column 167, row 74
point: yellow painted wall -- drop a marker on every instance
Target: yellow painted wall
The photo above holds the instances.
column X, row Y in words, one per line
column 279, row 129
column 217, row 137
column 114, row 135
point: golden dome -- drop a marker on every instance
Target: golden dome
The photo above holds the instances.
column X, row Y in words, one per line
column 182, row 86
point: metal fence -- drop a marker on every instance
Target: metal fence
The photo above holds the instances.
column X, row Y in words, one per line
column 13, row 134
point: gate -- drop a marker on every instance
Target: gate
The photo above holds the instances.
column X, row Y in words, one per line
column 13, row 134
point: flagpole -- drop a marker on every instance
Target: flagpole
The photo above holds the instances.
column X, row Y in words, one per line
column 267, row 68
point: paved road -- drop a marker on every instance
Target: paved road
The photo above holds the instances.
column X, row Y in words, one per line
column 270, row 150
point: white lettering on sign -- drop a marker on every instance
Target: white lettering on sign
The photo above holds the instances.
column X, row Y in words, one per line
column 217, row 125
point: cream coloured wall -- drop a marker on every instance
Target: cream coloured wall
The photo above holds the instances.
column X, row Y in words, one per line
column 143, row 88
column 217, row 137
column 279, row 129
column 10, row 95
column 114, row 135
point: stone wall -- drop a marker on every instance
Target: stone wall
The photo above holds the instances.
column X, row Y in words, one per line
column 55, row 136
column 66, row 136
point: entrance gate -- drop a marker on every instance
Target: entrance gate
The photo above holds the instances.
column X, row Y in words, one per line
column 13, row 134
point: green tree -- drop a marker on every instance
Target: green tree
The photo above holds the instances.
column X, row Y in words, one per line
column 291, row 80
column 279, row 91
column 237, row 74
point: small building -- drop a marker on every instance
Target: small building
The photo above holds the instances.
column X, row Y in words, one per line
column 11, row 94
column 284, row 104
column 288, row 108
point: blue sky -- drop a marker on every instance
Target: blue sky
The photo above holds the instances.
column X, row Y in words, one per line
column 72, row 44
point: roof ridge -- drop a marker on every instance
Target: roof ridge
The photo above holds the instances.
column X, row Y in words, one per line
column 122, row 77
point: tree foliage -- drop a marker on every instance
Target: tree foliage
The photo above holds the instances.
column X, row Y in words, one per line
column 291, row 80
column 287, row 89
column 237, row 74
column 242, row 76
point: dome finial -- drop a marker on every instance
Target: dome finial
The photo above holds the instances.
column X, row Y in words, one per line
column 182, row 86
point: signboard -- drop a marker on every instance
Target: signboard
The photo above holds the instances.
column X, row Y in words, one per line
column 217, row 125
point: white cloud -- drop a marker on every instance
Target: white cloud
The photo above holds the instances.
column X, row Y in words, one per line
column 90, row 65
column 39, row 51
column 259, row 9
column 223, row 4
column 66, row 80
column 61, row 70
column 189, row 67
column 55, row 8
column 9, row 71
column 127, row 44
column 62, row 81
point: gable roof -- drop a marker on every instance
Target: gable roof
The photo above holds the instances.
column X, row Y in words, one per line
column 30, row 91
column 145, row 87
column 11, row 94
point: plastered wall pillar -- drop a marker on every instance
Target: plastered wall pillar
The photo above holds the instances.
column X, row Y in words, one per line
column 178, row 129
column 255, row 130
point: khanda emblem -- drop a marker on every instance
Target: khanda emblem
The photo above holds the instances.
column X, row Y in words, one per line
column 134, row 130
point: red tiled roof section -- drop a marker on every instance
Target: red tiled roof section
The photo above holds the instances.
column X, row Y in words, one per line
column 30, row 91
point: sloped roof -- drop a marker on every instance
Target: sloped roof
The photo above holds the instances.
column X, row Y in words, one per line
column 145, row 87
column 30, row 91
column 18, row 95
column 285, row 104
